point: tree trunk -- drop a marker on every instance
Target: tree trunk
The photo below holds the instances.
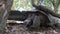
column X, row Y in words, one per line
column 2, row 17
column 3, row 14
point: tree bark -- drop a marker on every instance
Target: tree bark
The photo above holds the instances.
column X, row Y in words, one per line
column 2, row 19
column 3, row 14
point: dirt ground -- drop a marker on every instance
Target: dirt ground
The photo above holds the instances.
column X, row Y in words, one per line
column 14, row 28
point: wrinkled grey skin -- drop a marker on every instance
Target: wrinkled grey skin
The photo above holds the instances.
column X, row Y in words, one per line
column 29, row 20
column 36, row 21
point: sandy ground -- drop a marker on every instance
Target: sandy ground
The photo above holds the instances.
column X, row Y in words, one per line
column 15, row 28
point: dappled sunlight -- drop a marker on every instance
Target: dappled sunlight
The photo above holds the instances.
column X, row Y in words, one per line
column 22, row 5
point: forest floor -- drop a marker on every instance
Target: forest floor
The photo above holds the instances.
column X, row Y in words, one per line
column 18, row 28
